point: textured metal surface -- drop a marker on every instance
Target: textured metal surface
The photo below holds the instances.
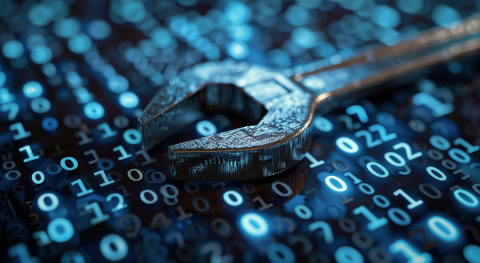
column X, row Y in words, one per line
column 278, row 142
column 281, row 138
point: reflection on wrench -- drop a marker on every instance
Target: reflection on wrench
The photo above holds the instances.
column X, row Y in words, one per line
column 282, row 137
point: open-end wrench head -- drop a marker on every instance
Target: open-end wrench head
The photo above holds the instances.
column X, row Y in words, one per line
column 278, row 142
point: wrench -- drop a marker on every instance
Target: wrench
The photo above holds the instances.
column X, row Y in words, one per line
column 282, row 137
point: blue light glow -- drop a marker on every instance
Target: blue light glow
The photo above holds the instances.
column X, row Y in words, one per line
column 99, row 29
column 348, row 254
column 471, row 253
column 305, row 37
column 280, row 253
column 40, row 15
column 322, row 124
column 12, row 49
column 333, row 187
column 280, row 58
column 118, row 83
column 229, row 200
column 94, row 110
column 49, row 124
column 297, row 15
column 254, row 224
column 444, row 15
column 347, row 145
column 162, row 37
column 237, row 49
column 128, row 100
column 133, row 11
column 32, row 89
column 410, row 253
column 66, row 27
column 410, row 6
column 470, row 203
column 79, row 44
column 240, row 32
column 206, row 128
column 238, row 12
column 442, row 228
column 303, row 211
column 385, row 16
column 41, row 54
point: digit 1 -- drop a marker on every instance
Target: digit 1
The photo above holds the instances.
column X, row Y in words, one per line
column 31, row 157
column 345, row 199
column 182, row 213
column 125, row 193
column 99, row 215
column 470, row 148
column 83, row 190
column 94, row 154
column 108, row 131
column 438, row 108
column 122, row 151
column 314, row 161
column 105, row 179
column 148, row 159
column 413, row 256
column 375, row 222
column 413, row 203
column 21, row 131
column 84, row 138
column 354, row 178
column 262, row 203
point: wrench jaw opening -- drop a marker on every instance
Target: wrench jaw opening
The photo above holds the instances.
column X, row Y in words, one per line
column 278, row 142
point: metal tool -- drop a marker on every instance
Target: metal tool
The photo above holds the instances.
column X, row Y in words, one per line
column 282, row 137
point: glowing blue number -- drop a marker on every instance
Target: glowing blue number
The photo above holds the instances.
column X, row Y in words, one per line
column 303, row 211
column 60, row 230
column 34, row 177
column 375, row 222
column 333, row 187
column 368, row 138
column 29, row 152
column 385, row 171
column 401, row 162
column 94, row 110
column 382, row 132
column 439, row 142
column 459, row 155
column 322, row 124
column 121, row 203
column 348, row 254
column 64, row 164
column 144, row 199
column 360, row 111
column 132, row 136
column 404, row 221
column 366, row 188
column 254, row 224
column 383, row 204
column 13, row 108
column 413, row 203
column 229, row 200
column 43, row 206
column 280, row 253
column 408, row 150
column 206, row 128
column 440, row 177
column 471, row 203
column 113, row 247
column 40, row 105
column 470, row 148
column 347, row 145
column 413, row 256
column 442, row 228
